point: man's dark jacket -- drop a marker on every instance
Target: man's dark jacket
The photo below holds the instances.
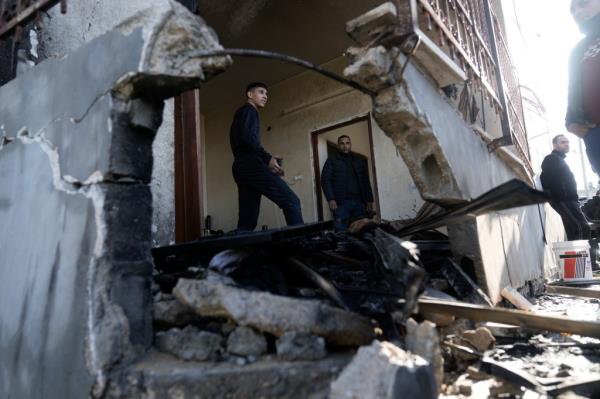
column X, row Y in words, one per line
column 557, row 178
column 244, row 137
column 575, row 111
column 334, row 178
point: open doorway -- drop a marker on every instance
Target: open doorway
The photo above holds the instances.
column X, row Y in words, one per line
column 324, row 144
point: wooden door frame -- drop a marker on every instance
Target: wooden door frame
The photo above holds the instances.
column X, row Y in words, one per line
column 189, row 182
column 316, row 162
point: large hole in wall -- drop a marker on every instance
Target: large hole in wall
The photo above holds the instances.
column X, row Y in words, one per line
column 432, row 172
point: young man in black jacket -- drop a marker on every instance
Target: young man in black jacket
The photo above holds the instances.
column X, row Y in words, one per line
column 583, row 113
column 558, row 180
column 346, row 185
column 255, row 171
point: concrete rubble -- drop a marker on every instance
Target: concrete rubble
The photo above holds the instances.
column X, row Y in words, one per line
column 300, row 346
column 384, row 371
column 302, row 312
column 190, row 343
column 245, row 341
column 274, row 314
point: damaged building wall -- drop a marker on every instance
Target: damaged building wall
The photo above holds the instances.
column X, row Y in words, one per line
column 75, row 202
column 297, row 107
column 451, row 163
column 84, row 21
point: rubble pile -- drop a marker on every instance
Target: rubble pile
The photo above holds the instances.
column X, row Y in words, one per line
column 366, row 299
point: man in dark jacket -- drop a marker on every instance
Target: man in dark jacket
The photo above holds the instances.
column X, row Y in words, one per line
column 583, row 113
column 346, row 185
column 255, row 171
column 559, row 182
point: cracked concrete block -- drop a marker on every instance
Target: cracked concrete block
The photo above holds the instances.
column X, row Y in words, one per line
column 162, row 376
column 300, row 346
column 384, row 371
column 274, row 314
column 423, row 340
column 190, row 344
column 372, row 69
column 368, row 26
column 172, row 312
column 245, row 341
column 481, row 339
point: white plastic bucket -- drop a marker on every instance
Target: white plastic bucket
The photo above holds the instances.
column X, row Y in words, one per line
column 573, row 258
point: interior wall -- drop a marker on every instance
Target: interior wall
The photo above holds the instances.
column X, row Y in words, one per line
column 298, row 106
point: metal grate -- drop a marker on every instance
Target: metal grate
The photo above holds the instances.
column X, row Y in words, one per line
column 16, row 13
column 468, row 31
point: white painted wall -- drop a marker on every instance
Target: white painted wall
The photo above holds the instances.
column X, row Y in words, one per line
column 297, row 107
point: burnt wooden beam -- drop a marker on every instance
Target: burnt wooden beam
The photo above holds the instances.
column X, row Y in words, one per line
column 512, row 317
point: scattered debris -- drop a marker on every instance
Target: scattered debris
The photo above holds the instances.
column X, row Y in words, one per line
column 480, row 339
column 244, row 341
column 274, row 314
column 423, row 340
column 384, row 371
column 307, row 294
column 513, row 296
column 190, row 344
column 300, row 346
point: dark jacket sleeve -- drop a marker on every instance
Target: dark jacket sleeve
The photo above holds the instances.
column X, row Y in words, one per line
column 575, row 101
column 250, row 133
column 327, row 180
column 368, row 192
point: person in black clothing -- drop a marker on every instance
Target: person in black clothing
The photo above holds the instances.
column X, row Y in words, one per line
column 558, row 180
column 346, row 185
column 255, row 171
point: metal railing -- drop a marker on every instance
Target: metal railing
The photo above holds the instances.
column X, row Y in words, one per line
column 15, row 13
column 469, row 32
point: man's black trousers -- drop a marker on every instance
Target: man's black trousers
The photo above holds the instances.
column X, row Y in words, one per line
column 254, row 179
column 575, row 223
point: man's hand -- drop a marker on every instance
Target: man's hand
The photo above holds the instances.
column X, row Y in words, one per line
column 274, row 167
column 332, row 205
column 578, row 129
column 370, row 206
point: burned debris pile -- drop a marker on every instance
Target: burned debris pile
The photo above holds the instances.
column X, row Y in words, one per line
column 383, row 305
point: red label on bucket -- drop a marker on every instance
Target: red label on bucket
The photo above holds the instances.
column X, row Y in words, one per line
column 570, row 263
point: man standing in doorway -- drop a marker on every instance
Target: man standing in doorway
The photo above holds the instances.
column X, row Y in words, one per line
column 255, row 171
column 346, row 185
column 583, row 114
column 558, row 181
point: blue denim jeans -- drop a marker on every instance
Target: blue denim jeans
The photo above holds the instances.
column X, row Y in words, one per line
column 346, row 211
column 592, row 148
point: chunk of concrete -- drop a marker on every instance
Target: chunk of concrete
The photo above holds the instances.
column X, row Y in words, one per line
column 300, row 346
column 172, row 312
column 274, row 314
column 372, row 69
column 384, row 371
column 368, row 26
column 190, row 344
column 423, row 340
column 481, row 338
column 244, row 341
column 162, row 376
